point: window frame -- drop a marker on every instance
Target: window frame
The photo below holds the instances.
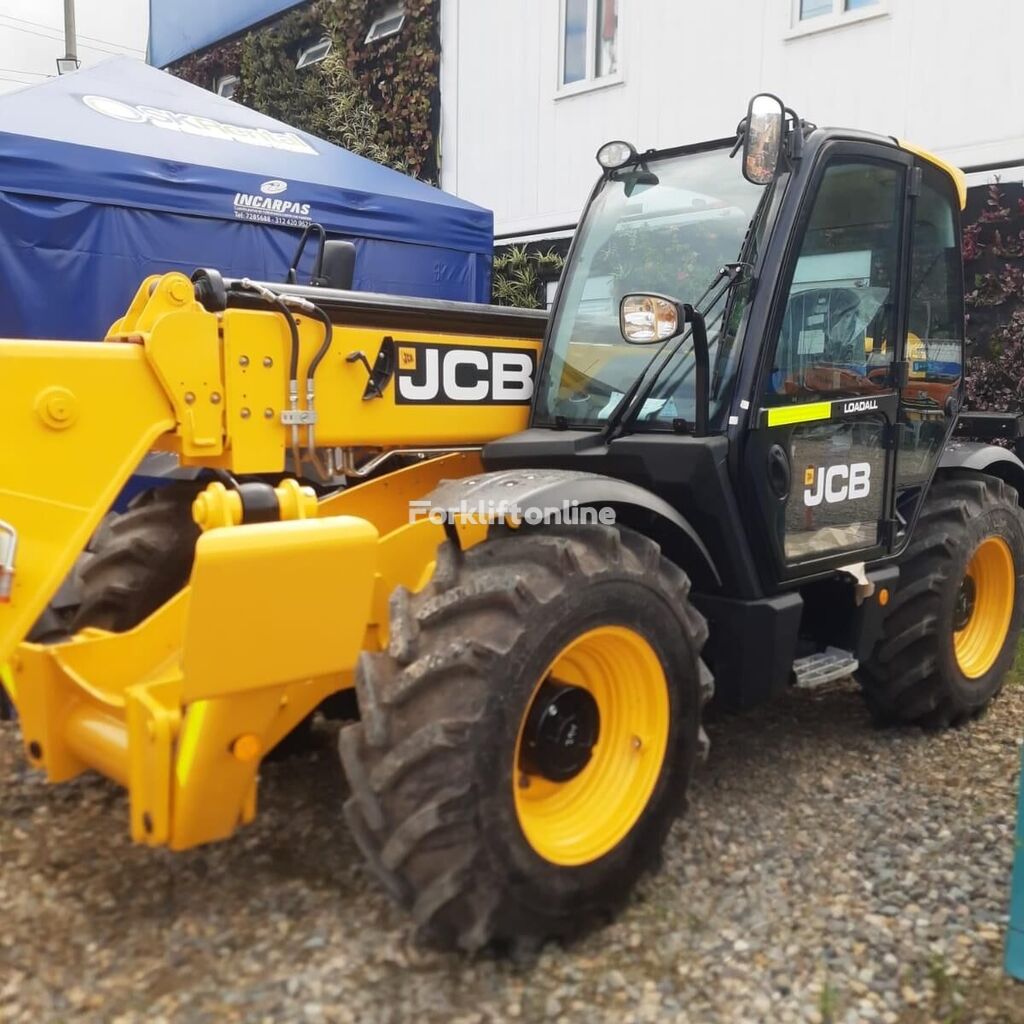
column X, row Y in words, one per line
column 389, row 13
column 301, row 61
column 838, row 18
column 589, row 82
column 221, row 81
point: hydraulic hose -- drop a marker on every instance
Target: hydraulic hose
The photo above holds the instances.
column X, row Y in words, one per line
column 322, row 351
column 284, row 304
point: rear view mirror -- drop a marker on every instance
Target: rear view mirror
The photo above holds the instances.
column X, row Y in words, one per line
column 339, row 264
column 649, row 319
column 762, row 138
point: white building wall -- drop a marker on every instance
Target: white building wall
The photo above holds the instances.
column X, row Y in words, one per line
column 946, row 74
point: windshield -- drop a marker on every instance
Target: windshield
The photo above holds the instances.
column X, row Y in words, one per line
column 668, row 229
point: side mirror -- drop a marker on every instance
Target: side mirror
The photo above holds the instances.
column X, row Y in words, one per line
column 655, row 319
column 650, row 319
column 339, row 265
column 762, row 138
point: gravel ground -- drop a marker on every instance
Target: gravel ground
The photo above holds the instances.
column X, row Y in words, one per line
column 826, row 872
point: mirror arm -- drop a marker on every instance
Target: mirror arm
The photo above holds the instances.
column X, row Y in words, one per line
column 701, row 368
column 796, row 135
column 741, row 132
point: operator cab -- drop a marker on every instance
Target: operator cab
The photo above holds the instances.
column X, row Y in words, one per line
column 766, row 333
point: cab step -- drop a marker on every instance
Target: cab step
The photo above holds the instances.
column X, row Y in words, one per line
column 824, row 667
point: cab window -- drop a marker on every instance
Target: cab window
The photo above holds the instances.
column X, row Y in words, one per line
column 935, row 331
column 834, row 340
column 935, row 336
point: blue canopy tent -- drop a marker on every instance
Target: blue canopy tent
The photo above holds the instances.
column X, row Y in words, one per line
column 122, row 170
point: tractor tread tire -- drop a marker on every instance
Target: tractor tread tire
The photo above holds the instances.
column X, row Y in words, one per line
column 911, row 676
column 420, row 803
column 138, row 560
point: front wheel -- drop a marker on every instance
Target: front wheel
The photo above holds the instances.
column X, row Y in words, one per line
column 528, row 738
column 952, row 625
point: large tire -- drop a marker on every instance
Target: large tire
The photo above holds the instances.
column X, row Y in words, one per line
column 433, row 763
column 133, row 564
column 915, row 675
column 137, row 561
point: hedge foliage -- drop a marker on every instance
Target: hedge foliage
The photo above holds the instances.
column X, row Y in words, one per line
column 993, row 247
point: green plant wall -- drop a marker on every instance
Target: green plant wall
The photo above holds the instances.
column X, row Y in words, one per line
column 520, row 273
column 381, row 99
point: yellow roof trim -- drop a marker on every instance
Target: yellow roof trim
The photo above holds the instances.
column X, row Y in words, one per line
column 958, row 176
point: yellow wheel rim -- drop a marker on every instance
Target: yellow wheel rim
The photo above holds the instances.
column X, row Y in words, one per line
column 984, row 607
column 577, row 821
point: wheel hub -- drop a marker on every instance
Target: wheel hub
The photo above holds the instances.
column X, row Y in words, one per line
column 965, row 599
column 984, row 607
column 561, row 729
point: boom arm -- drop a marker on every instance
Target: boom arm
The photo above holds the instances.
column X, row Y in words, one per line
column 212, row 386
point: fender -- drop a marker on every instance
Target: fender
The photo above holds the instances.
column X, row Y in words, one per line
column 978, row 457
column 540, row 489
column 156, row 470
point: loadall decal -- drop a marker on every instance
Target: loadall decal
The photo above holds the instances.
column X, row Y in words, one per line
column 833, row 484
column 833, row 409
column 860, row 405
column 461, row 374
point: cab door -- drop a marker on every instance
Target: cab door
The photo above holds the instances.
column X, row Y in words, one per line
column 819, row 460
column 934, row 354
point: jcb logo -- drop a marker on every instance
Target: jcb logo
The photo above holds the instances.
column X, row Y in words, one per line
column 836, row 483
column 456, row 374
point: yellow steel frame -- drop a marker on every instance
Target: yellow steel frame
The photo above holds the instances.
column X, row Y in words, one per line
column 181, row 709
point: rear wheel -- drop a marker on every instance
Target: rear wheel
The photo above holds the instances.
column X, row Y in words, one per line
column 133, row 563
column 528, row 738
column 952, row 625
column 138, row 560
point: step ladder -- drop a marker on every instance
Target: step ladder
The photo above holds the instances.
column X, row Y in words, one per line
column 824, row 667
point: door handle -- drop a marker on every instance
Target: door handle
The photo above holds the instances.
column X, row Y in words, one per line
column 779, row 474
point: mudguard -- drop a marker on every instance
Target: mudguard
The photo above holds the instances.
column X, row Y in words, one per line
column 536, row 496
column 984, row 458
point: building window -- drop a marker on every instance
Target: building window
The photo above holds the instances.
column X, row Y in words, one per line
column 810, row 15
column 815, row 8
column 225, row 86
column 590, row 42
column 313, row 53
column 391, row 20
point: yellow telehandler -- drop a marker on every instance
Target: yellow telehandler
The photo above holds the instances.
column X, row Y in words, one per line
column 740, row 449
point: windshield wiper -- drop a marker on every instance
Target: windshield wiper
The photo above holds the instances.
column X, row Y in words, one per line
column 638, row 392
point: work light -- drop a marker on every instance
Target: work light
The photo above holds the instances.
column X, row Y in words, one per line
column 616, row 154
